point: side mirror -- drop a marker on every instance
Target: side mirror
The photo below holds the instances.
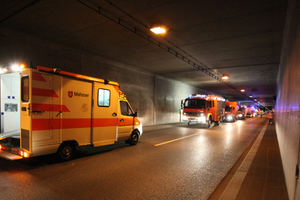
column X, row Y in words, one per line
column 135, row 113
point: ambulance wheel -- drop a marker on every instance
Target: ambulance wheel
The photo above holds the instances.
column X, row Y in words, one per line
column 66, row 151
column 134, row 138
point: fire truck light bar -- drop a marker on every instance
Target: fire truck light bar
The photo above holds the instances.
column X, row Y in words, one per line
column 209, row 96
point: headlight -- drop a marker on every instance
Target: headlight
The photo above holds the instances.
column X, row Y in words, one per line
column 240, row 115
column 202, row 118
column 229, row 117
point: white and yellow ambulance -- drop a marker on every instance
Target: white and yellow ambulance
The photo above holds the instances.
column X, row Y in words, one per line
column 61, row 110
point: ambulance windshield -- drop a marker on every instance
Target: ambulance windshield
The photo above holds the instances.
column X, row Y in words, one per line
column 194, row 103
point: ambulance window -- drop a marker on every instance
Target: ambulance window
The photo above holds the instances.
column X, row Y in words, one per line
column 25, row 88
column 125, row 108
column 103, row 98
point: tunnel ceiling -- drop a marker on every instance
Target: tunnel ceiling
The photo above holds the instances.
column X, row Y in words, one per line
column 205, row 39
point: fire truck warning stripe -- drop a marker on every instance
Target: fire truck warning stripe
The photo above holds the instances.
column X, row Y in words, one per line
column 49, row 107
column 43, row 92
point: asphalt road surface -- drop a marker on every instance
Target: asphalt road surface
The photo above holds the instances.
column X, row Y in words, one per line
column 170, row 162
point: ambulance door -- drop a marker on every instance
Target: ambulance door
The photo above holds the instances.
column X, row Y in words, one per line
column 125, row 121
column 40, row 106
column 104, row 117
column 25, row 124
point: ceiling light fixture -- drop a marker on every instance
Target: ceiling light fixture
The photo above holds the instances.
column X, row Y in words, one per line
column 225, row 77
column 242, row 90
column 158, row 30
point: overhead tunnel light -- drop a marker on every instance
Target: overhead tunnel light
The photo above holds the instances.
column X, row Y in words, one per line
column 158, row 30
column 225, row 77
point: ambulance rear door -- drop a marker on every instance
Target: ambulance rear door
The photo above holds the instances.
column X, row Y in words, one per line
column 40, row 104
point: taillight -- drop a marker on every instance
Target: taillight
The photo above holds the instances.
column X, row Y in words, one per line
column 0, row 146
column 23, row 154
column 26, row 155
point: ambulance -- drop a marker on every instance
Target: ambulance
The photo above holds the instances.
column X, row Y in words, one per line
column 203, row 109
column 59, row 111
column 231, row 111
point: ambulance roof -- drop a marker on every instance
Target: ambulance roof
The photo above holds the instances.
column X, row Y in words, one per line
column 79, row 76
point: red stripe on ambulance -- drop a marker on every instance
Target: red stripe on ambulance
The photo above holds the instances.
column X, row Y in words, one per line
column 49, row 107
column 43, row 92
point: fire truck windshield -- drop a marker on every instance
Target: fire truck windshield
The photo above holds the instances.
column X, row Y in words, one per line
column 194, row 103
column 228, row 109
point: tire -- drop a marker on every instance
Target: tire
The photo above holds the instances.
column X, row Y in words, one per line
column 217, row 123
column 209, row 123
column 66, row 151
column 134, row 138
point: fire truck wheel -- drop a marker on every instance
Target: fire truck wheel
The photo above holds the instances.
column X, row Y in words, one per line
column 134, row 138
column 209, row 123
column 66, row 151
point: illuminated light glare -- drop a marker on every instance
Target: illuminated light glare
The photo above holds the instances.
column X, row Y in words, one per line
column 17, row 68
column 158, row 30
column 242, row 90
column 239, row 123
column 3, row 70
column 225, row 77
column 0, row 146
column 25, row 155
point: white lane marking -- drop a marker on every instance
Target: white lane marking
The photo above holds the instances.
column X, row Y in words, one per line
column 234, row 186
column 176, row 140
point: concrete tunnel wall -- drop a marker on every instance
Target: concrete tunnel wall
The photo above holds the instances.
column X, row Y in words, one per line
column 287, row 109
column 157, row 98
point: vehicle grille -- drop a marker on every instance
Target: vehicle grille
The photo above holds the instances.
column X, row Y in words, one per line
column 192, row 113
column 25, row 139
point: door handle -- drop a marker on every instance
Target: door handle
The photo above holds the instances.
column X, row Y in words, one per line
column 59, row 113
column 114, row 114
column 122, row 120
column 37, row 112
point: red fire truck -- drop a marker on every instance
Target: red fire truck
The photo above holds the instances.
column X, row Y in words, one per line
column 203, row 109
column 231, row 110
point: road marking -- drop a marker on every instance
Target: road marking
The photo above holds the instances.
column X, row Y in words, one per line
column 234, row 186
column 176, row 140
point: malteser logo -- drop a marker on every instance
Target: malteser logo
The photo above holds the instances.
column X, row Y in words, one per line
column 78, row 94
column 70, row 94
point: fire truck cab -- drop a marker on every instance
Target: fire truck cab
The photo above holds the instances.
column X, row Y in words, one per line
column 203, row 109
column 231, row 111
